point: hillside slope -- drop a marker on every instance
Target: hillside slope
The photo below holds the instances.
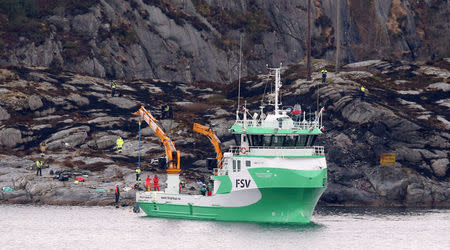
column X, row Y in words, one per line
column 191, row 40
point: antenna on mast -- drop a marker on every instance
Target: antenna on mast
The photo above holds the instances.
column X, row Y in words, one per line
column 239, row 76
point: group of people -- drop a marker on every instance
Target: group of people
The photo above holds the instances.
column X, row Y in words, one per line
column 148, row 181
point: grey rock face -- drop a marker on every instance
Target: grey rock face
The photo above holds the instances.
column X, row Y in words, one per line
column 4, row 115
column 106, row 141
column 35, row 102
column 440, row 167
column 10, row 137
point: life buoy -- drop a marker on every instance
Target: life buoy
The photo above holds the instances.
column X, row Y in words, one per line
column 244, row 150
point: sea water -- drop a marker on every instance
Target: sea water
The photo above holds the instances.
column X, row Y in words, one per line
column 60, row 227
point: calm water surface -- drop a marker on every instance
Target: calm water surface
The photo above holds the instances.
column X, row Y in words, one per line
column 44, row 227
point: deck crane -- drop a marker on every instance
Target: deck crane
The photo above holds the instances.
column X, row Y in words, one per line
column 212, row 138
column 172, row 154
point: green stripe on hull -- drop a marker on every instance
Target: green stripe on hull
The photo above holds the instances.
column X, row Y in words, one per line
column 277, row 205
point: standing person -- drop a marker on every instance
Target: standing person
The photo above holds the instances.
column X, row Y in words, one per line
column 39, row 165
column 43, row 146
column 180, row 188
column 117, row 192
column 163, row 108
column 119, row 143
column 113, row 88
column 363, row 93
column 138, row 173
column 170, row 112
column 324, row 75
column 156, row 183
column 166, row 111
column 138, row 183
column 203, row 190
column 148, row 183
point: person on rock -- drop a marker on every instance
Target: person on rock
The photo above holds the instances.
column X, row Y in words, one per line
column 156, row 183
column 39, row 165
column 363, row 93
column 113, row 88
column 138, row 173
column 119, row 143
column 117, row 192
column 324, row 75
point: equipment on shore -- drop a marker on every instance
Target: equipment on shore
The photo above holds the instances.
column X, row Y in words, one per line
column 172, row 154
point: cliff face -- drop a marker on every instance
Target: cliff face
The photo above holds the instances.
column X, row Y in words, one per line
column 189, row 40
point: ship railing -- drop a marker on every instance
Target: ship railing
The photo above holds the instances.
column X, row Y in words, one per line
column 318, row 150
column 306, row 125
column 248, row 123
column 220, row 171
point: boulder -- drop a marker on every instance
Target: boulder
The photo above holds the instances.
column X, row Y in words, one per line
column 10, row 137
column 4, row 115
column 78, row 99
column 35, row 102
column 107, row 141
column 440, row 167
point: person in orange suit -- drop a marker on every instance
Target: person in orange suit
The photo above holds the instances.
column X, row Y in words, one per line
column 148, row 183
column 156, row 183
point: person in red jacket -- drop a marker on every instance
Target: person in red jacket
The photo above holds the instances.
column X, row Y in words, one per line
column 117, row 192
column 148, row 183
column 156, row 182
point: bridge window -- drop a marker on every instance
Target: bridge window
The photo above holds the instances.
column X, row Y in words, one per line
column 237, row 139
column 239, row 166
column 248, row 163
column 234, row 165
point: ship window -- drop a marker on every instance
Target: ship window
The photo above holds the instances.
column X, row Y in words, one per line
column 248, row 163
column 301, row 142
column 289, row 141
column 239, row 166
column 278, row 140
column 268, row 140
column 311, row 140
column 234, row 165
column 256, row 140
column 237, row 139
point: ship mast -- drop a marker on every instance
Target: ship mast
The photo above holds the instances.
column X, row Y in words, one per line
column 277, row 88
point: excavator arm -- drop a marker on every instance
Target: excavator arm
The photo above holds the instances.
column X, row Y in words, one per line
column 173, row 155
column 212, row 138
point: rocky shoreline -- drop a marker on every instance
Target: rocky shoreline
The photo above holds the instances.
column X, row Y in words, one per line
column 406, row 112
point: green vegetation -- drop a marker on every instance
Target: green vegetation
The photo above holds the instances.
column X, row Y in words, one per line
column 124, row 31
column 252, row 20
column 176, row 14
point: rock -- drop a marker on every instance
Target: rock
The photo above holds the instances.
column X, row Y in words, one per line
column 10, row 137
column 67, row 132
column 4, row 115
column 439, row 86
column 363, row 64
column 122, row 102
column 78, row 99
column 440, row 167
column 35, row 102
column 360, row 112
column 106, row 141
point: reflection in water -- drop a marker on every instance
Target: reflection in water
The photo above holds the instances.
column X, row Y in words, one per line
column 332, row 228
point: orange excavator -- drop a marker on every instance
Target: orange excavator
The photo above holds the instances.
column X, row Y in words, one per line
column 173, row 155
column 213, row 139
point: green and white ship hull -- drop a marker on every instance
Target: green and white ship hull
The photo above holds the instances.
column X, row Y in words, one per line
column 275, row 174
column 259, row 194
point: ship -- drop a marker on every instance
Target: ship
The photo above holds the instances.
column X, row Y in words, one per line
column 274, row 174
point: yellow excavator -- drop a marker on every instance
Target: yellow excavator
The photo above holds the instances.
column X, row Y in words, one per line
column 172, row 154
column 213, row 139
